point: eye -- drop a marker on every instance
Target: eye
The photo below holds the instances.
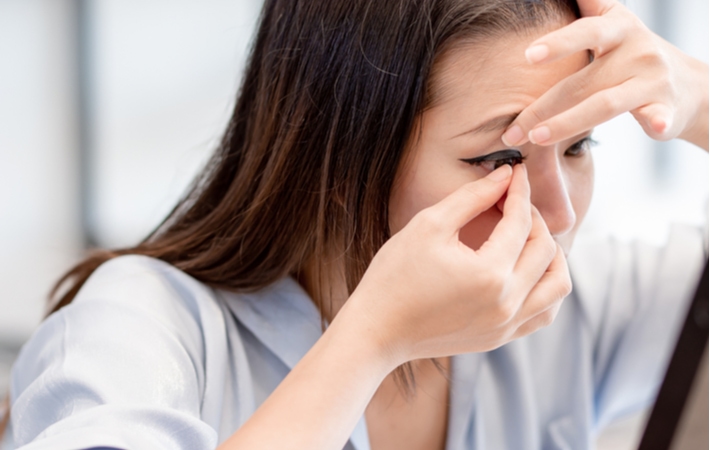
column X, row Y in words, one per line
column 492, row 161
column 581, row 147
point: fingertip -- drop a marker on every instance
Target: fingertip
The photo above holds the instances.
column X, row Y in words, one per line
column 660, row 124
column 500, row 174
column 513, row 136
column 521, row 170
column 537, row 53
column 520, row 186
column 540, row 135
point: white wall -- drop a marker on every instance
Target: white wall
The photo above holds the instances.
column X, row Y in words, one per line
column 166, row 76
column 643, row 186
column 39, row 227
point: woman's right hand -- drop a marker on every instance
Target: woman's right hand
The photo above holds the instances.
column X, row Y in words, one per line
column 426, row 294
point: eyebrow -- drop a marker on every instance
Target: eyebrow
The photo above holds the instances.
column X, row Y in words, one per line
column 495, row 124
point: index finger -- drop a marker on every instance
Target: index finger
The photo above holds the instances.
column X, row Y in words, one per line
column 595, row 7
column 468, row 201
column 597, row 34
column 508, row 238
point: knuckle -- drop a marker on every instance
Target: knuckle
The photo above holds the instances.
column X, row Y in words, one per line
column 536, row 115
column 550, row 248
column 548, row 317
column 575, row 87
column 526, row 222
column 655, row 61
column 429, row 221
column 505, row 311
column 666, row 87
column 496, row 283
column 610, row 103
column 596, row 32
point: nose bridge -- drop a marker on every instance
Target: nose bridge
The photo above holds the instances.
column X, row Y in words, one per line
column 549, row 192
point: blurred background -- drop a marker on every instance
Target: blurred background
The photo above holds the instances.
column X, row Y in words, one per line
column 108, row 108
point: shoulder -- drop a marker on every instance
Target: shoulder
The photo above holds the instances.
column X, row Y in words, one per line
column 136, row 340
column 143, row 282
column 132, row 310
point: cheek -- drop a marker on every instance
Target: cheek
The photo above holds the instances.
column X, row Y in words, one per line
column 477, row 231
column 424, row 183
column 581, row 188
column 406, row 202
column 427, row 180
column 582, row 195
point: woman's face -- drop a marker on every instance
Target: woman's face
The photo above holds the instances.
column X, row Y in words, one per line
column 478, row 90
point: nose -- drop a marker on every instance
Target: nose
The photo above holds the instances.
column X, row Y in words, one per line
column 549, row 191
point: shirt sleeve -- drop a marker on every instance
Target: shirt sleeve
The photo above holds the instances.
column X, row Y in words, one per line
column 636, row 297
column 120, row 367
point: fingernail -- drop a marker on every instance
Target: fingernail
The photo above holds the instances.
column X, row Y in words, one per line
column 539, row 135
column 537, row 53
column 502, row 173
column 512, row 136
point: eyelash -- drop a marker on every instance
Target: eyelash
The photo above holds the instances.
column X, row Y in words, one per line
column 580, row 147
column 513, row 157
column 492, row 161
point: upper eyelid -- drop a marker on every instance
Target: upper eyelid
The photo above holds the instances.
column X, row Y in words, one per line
column 501, row 154
column 589, row 139
column 512, row 153
column 585, row 140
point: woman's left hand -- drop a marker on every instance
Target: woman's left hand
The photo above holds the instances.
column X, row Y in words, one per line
column 633, row 70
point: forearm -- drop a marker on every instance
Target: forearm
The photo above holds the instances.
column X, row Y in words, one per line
column 319, row 403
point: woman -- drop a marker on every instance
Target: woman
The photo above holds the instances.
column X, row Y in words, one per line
column 363, row 185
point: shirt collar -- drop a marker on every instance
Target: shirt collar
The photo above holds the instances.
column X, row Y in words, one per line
column 283, row 317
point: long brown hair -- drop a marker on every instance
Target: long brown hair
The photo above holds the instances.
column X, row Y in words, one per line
column 329, row 98
column 328, row 102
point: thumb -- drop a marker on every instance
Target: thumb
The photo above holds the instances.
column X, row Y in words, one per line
column 471, row 199
column 656, row 120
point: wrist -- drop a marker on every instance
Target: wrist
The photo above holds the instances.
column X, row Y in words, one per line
column 368, row 335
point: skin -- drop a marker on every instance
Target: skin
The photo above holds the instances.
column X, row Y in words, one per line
column 633, row 70
column 482, row 82
column 477, row 87
column 414, row 301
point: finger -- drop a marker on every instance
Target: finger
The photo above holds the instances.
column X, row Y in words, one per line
column 595, row 7
column 552, row 288
column 541, row 320
column 534, row 261
column 598, row 34
column 656, row 120
column 560, row 97
column 598, row 108
column 467, row 202
column 537, row 255
column 511, row 233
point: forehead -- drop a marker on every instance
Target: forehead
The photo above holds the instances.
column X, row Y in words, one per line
column 492, row 76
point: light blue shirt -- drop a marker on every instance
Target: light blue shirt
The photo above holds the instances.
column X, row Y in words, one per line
column 147, row 357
